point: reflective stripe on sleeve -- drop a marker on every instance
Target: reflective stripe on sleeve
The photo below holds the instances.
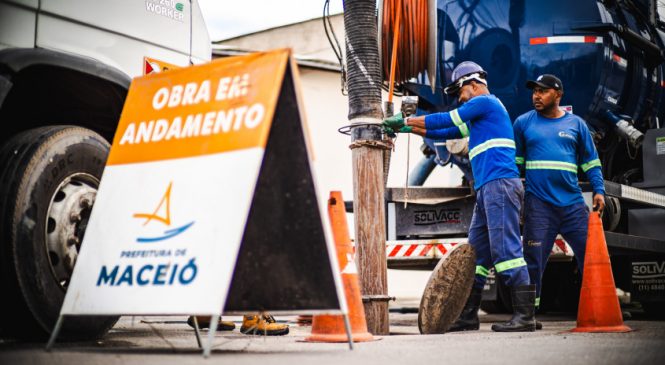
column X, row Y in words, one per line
column 492, row 143
column 590, row 164
column 537, row 301
column 519, row 160
column 454, row 114
column 510, row 264
column 551, row 165
column 482, row 271
column 464, row 130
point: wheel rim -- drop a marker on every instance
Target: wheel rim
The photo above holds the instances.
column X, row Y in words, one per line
column 66, row 220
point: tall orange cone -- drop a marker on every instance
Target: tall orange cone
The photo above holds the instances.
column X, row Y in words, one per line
column 330, row 328
column 599, row 309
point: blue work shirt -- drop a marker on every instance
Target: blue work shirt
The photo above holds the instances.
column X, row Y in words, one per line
column 485, row 121
column 552, row 150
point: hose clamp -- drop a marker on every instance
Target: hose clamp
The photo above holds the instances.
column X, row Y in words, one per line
column 385, row 144
column 377, row 298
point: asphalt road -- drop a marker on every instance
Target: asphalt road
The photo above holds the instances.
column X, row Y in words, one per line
column 168, row 340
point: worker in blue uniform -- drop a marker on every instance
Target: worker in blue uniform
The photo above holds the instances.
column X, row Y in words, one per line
column 494, row 232
column 552, row 146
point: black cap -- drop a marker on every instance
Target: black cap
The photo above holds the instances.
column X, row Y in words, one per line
column 545, row 81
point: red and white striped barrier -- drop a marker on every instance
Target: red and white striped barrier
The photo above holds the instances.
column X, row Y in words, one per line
column 565, row 39
column 423, row 249
column 438, row 248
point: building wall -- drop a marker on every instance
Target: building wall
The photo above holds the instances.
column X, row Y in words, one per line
column 307, row 39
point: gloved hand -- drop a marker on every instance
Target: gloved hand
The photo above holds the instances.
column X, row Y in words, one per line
column 389, row 132
column 405, row 129
column 395, row 122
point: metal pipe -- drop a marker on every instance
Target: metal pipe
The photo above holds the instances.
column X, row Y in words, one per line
column 625, row 129
column 362, row 50
column 422, row 170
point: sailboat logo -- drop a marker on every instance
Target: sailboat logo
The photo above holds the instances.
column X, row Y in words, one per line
column 164, row 207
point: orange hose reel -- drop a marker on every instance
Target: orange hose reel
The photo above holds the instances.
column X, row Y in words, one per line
column 405, row 31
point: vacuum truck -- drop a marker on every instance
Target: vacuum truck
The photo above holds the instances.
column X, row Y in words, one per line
column 610, row 57
column 65, row 69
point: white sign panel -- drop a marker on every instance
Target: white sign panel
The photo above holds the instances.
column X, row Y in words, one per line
column 174, row 199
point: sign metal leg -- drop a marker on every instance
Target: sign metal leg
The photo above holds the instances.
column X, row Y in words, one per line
column 197, row 331
column 54, row 334
column 347, row 327
column 211, row 335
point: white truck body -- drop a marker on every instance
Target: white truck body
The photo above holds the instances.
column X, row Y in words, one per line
column 118, row 33
column 65, row 70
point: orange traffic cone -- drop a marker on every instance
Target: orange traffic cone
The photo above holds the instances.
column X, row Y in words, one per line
column 599, row 309
column 330, row 328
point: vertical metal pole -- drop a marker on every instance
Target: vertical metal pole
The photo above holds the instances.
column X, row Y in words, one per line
column 347, row 327
column 197, row 331
column 56, row 331
column 211, row 335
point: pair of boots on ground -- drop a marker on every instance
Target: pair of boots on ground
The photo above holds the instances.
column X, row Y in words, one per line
column 524, row 310
column 263, row 324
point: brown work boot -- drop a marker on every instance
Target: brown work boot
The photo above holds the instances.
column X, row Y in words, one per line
column 263, row 325
column 204, row 322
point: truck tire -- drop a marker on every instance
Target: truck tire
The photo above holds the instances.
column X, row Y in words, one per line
column 562, row 284
column 654, row 310
column 504, row 295
column 493, row 306
column 48, row 181
column 501, row 302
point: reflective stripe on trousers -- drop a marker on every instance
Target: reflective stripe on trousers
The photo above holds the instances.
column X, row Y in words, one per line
column 495, row 232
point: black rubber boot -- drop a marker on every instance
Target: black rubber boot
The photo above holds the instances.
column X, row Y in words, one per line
column 523, row 311
column 468, row 319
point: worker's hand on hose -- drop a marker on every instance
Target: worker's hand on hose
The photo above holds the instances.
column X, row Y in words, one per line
column 389, row 132
column 395, row 122
column 598, row 203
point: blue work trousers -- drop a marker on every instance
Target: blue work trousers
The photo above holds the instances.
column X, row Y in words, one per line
column 495, row 232
column 542, row 222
